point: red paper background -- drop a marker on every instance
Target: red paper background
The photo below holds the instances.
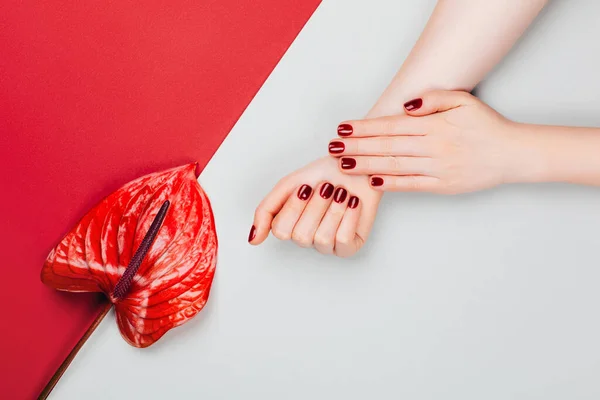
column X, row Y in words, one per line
column 93, row 94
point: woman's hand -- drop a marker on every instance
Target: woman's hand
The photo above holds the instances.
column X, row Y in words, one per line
column 450, row 142
column 318, row 206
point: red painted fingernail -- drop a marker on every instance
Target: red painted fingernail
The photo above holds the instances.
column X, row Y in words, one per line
column 413, row 104
column 304, row 192
column 252, row 234
column 336, row 147
column 376, row 181
column 340, row 195
column 326, row 190
column 345, row 130
column 348, row 163
column 353, row 202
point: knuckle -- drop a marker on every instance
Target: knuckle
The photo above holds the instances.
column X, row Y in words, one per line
column 343, row 240
column 363, row 127
column 388, row 125
column 279, row 232
column 366, row 164
column 386, row 145
column 302, row 239
column 323, row 240
column 337, row 212
column 360, row 146
column 413, row 184
column 396, row 164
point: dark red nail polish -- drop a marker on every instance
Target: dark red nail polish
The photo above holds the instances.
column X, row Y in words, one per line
column 376, row 181
column 413, row 104
column 336, row 147
column 304, row 192
column 252, row 234
column 353, row 202
column 345, row 130
column 326, row 190
column 348, row 163
column 340, row 195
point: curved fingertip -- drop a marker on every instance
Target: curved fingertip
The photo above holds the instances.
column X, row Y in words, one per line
column 258, row 234
column 376, row 182
column 252, row 234
column 326, row 190
column 345, row 128
column 260, row 228
column 347, row 165
column 413, row 106
column 354, row 203
column 336, row 147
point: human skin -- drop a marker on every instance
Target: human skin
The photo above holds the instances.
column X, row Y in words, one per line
column 451, row 142
column 448, row 55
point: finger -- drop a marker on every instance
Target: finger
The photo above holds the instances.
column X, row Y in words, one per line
column 324, row 239
column 438, row 101
column 305, row 229
column 367, row 216
column 286, row 219
column 347, row 241
column 268, row 209
column 379, row 146
column 412, row 183
column 385, row 165
column 384, row 126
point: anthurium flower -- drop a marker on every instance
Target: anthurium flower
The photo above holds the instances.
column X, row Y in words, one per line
column 151, row 247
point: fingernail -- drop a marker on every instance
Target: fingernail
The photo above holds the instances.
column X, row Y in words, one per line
column 336, row 147
column 376, row 181
column 348, row 163
column 326, row 190
column 252, row 234
column 304, row 192
column 340, row 195
column 345, row 130
column 413, row 104
column 353, row 202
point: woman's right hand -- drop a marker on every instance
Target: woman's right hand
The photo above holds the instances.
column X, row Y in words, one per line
column 318, row 206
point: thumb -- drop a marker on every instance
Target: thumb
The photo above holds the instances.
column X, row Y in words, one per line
column 268, row 209
column 438, row 101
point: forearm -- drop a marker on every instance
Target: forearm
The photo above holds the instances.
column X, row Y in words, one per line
column 460, row 44
column 554, row 154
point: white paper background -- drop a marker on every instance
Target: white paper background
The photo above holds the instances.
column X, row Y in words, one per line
column 491, row 295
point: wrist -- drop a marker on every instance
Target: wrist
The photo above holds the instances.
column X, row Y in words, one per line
column 554, row 154
column 386, row 106
column 527, row 156
column 400, row 90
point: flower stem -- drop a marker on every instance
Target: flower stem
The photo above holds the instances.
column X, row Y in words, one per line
column 65, row 364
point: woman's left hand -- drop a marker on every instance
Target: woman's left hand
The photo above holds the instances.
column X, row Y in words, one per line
column 450, row 142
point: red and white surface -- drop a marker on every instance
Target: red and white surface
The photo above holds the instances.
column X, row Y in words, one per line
column 491, row 295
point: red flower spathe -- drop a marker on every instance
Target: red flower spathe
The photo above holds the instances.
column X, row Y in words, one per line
column 174, row 278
